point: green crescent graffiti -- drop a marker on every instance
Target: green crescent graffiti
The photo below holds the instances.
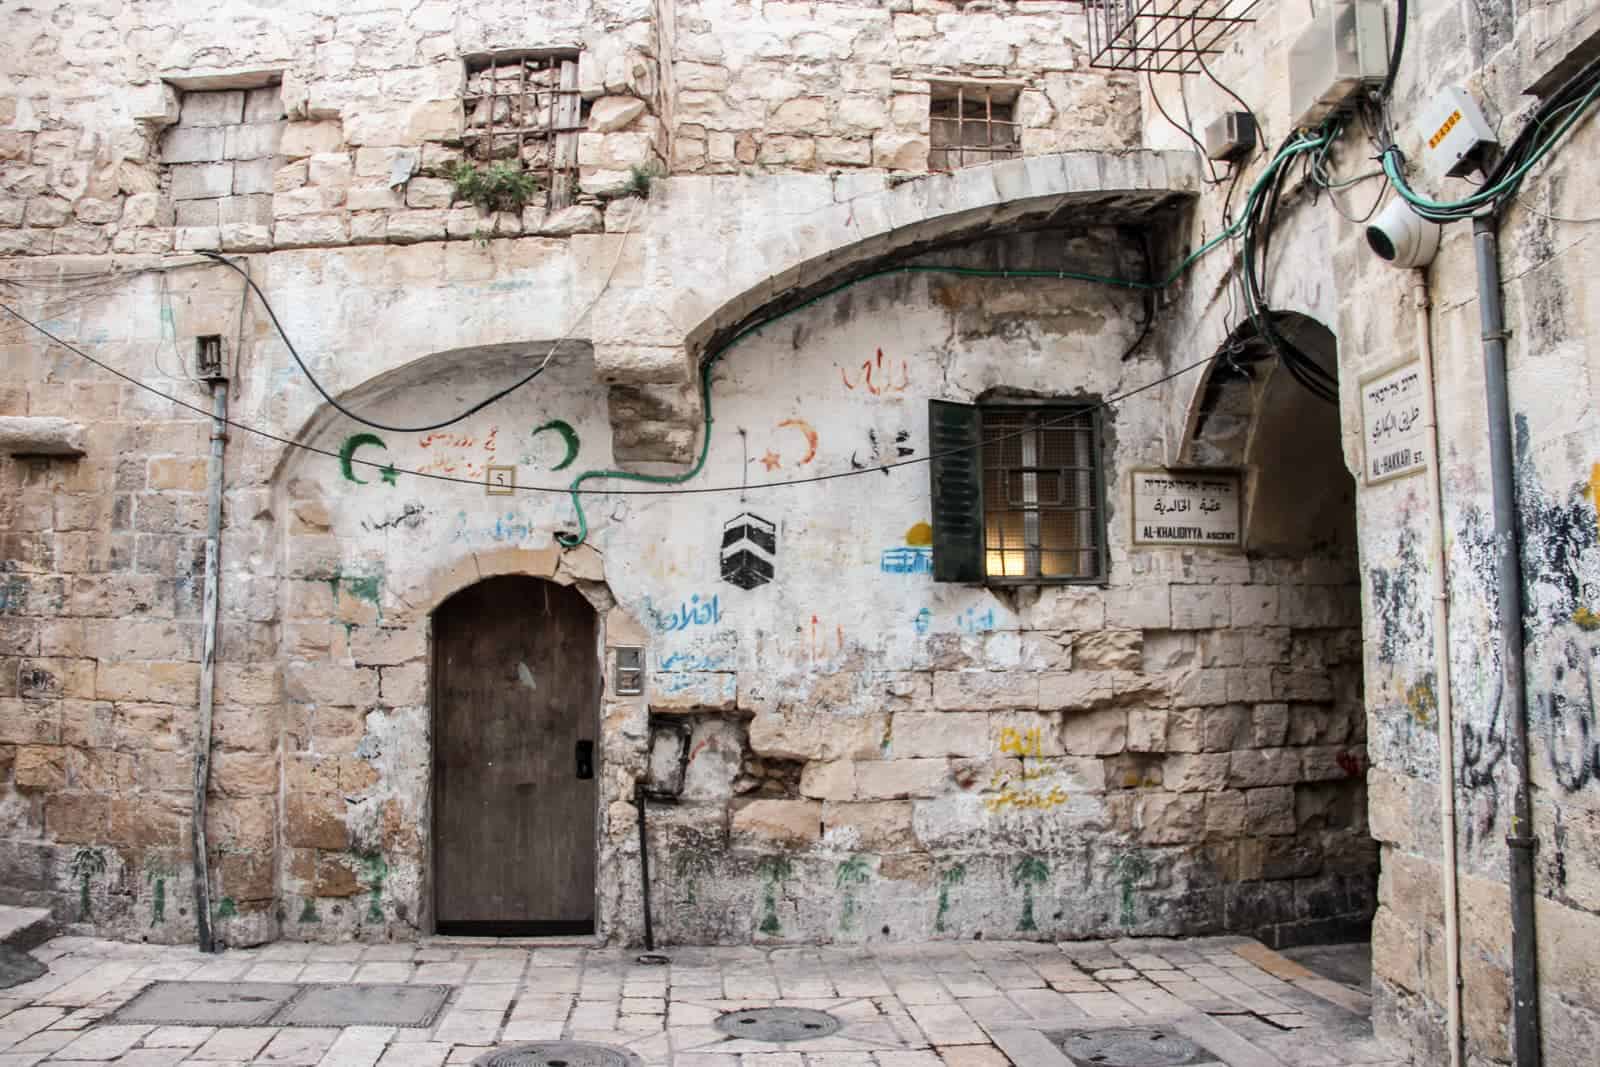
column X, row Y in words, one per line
column 568, row 435
column 348, row 449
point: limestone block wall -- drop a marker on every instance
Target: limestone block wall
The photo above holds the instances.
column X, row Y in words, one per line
column 1324, row 269
column 872, row 755
column 90, row 160
column 822, row 85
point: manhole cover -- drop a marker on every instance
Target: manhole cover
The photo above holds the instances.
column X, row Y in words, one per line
column 1130, row 1047
column 559, row 1054
column 208, row 1003
column 778, row 1024
column 17, row 967
column 365, row 1005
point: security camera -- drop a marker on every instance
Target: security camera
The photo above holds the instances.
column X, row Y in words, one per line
column 1403, row 238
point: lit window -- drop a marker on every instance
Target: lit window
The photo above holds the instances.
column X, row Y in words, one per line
column 970, row 123
column 1018, row 493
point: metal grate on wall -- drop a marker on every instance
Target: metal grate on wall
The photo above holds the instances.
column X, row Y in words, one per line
column 1161, row 36
column 1043, row 493
column 525, row 107
column 971, row 123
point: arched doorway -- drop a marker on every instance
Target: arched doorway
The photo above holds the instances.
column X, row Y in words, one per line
column 516, row 697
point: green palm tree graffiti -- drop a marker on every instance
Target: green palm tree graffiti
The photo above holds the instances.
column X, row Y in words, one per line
column 1030, row 871
column 851, row 873
column 774, row 869
column 947, row 878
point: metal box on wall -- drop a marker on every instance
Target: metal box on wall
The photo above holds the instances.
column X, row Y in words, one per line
column 1343, row 53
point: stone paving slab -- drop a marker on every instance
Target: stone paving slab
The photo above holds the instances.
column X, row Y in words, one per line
column 942, row 1004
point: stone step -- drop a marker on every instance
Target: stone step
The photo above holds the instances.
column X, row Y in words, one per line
column 23, row 928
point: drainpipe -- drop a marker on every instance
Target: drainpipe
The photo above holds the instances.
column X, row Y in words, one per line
column 208, row 660
column 1524, row 947
column 1441, row 659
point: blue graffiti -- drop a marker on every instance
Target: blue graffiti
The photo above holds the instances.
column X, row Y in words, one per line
column 971, row 622
column 693, row 612
column 690, row 661
column 923, row 621
column 507, row 527
column 906, row 560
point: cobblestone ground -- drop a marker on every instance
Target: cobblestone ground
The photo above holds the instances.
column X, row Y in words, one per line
column 979, row 1004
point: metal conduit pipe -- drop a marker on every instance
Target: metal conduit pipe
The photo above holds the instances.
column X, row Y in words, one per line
column 1441, row 657
column 208, row 664
column 1514, row 695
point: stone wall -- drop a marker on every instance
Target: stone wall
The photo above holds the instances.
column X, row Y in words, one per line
column 823, row 85
column 1324, row 269
column 374, row 111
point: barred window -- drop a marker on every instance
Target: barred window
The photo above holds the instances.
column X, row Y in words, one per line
column 524, row 108
column 970, row 123
column 1018, row 493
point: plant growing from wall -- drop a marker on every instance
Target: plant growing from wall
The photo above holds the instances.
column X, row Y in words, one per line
column 640, row 177
column 86, row 864
column 851, row 873
column 1030, row 871
column 500, row 186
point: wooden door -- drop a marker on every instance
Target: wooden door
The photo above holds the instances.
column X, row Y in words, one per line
column 517, row 701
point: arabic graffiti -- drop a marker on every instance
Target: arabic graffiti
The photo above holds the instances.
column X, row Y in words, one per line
column 690, row 661
column 459, row 453
column 906, row 559
column 692, row 612
column 1014, row 742
column 885, row 378
column 880, row 452
column 972, row 621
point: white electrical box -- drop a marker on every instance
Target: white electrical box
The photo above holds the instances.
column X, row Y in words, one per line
column 1454, row 133
column 1341, row 55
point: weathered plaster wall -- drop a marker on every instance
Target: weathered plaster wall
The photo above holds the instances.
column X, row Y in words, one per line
column 1322, row 268
column 870, row 751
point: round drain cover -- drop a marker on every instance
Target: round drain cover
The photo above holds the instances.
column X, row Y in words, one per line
column 1130, row 1047
column 778, row 1024
column 559, row 1054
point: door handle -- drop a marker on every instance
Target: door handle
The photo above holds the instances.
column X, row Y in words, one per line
column 585, row 755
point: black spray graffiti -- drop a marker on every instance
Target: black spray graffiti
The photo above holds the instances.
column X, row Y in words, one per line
column 1568, row 717
column 1398, row 599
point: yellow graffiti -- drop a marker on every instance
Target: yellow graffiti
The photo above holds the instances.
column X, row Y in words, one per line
column 1016, row 742
column 1035, row 801
column 1000, row 779
column 920, row 534
column 1586, row 619
column 1423, row 703
column 1594, row 491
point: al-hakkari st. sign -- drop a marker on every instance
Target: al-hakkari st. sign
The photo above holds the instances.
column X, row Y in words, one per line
column 1187, row 507
column 1391, row 423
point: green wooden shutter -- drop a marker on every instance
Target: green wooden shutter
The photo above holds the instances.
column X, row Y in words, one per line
column 956, row 471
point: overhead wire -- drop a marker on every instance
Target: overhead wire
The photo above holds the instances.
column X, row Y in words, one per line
column 442, row 423
column 356, row 461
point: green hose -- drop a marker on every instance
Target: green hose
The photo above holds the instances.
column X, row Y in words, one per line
column 574, row 540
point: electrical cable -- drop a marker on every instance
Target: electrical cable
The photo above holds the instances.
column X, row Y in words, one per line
column 574, row 489
column 1200, row 149
column 474, row 409
column 1400, row 17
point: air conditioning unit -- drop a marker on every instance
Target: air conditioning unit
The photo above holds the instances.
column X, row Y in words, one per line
column 1343, row 55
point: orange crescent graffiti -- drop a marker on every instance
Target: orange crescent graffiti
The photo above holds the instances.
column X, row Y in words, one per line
column 811, row 438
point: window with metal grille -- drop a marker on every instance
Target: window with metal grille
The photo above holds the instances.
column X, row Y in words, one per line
column 971, row 122
column 524, row 108
column 1018, row 493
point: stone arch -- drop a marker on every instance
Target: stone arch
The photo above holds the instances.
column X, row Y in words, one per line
column 778, row 242
column 1248, row 411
